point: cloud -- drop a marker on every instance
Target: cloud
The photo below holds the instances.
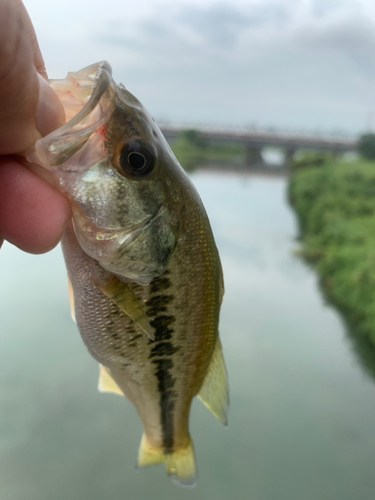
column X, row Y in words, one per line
column 273, row 62
column 322, row 8
column 215, row 28
column 351, row 38
column 288, row 63
column 217, row 25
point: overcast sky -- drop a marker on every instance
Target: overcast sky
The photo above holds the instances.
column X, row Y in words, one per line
column 296, row 64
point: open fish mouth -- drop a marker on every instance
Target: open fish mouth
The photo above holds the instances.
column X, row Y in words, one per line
column 81, row 92
column 81, row 95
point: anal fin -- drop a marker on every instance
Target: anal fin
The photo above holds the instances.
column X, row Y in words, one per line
column 214, row 392
column 124, row 298
column 106, row 382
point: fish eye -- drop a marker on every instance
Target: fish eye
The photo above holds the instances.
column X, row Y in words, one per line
column 136, row 159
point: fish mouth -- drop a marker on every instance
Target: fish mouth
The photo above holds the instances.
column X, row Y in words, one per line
column 82, row 95
column 90, row 84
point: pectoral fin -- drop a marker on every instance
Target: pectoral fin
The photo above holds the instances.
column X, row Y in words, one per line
column 214, row 392
column 106, row 382
column 71, row 300
column 124, row 298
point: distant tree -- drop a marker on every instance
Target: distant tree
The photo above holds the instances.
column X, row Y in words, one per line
column 194, row 137
column 306, row 159
column 189, row 148
column 366, row 146
column 192, row 150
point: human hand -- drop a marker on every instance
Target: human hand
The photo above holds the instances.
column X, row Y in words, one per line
column 32, row 213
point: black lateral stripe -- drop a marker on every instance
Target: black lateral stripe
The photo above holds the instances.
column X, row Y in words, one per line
column 162, row 350
column 162, row 326
column 160, row 284
column 158, row 304
column 165, row 386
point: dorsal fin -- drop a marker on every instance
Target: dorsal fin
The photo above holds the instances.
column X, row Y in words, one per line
column 106, row 382
column 214, row 392
column 124, row 298
column 71, row 300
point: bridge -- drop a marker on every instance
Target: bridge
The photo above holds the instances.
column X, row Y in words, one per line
column 255, row 140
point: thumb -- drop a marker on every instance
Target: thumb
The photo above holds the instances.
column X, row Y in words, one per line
column 29, row 108
column 50, row 113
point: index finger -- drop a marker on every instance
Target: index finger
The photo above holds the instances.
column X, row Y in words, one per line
column 33, row 214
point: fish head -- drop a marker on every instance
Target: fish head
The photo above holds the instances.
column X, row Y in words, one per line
column 123, row 182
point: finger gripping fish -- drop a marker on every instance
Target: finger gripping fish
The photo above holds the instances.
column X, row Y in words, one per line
column 145, row 275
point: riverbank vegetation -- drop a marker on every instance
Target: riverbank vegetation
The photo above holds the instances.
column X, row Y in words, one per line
column 192, row 150
column 335, row 204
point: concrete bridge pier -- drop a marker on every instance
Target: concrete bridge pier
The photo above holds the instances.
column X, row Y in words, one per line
column 288, row 156
column 253, row 156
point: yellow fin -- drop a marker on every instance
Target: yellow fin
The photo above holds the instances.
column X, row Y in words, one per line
column 71, row 300
column 180, row 464
column 106, row 382
column 124, row 298
column 214, row 392
column 149, row 455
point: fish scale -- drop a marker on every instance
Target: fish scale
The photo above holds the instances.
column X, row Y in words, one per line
column 177, row 336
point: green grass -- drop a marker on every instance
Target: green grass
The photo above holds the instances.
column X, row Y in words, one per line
column 335, row 204
column 192, row 151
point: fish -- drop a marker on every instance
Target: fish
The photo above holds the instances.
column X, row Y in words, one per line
column 145, row 278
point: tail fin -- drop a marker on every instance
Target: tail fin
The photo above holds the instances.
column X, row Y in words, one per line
column 180, row 464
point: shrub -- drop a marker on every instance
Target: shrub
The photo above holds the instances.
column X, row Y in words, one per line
column 366, row 146
column 336, row 211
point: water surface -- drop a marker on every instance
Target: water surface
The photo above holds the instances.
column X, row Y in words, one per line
column 302, row 411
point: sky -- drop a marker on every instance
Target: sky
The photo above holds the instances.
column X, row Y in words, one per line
column 299, row 65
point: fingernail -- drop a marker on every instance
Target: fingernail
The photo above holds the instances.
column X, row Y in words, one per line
column 50, row 113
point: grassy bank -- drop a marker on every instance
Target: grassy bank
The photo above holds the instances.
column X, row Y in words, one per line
column 335, row 204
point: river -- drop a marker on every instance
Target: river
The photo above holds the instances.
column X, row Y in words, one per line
column 301, row 422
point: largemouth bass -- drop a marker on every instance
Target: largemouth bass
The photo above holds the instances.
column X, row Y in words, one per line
column 145, row 275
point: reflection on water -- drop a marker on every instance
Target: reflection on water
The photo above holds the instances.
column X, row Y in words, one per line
column 302, row 413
